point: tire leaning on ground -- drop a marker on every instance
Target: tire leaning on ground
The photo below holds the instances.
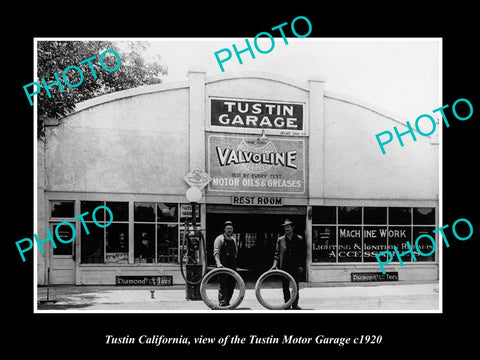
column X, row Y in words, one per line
column 217, row 271
column 293, row 293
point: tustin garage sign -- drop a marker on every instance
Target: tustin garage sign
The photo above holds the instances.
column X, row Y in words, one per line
column 277, row 117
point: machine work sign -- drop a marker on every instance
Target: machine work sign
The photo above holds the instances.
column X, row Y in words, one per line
column 282, row 118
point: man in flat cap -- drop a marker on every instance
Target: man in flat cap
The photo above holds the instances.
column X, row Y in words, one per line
column 290, row 257
column 225, row 254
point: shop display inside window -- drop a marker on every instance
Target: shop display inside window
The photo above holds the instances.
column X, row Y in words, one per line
column 107, row 245
column 156, row 232
column 92, row 245
column 356, row 234
column 144, row 243
column 167, row 246
column 116, row 249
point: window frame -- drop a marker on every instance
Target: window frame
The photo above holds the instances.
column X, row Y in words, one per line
column 54, row 221
column 412, row 226
column 90, row 223
column 52, row 225
column 180, row 231
column 130, row 201
column 155, row 223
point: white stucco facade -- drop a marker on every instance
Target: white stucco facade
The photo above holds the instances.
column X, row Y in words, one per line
column 137, row 145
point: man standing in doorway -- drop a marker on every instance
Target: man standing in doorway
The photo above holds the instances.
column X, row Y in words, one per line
column 290, row 257
column 225, row 254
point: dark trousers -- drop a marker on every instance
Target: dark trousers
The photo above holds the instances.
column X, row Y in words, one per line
column 286, row 286
column 226, row 285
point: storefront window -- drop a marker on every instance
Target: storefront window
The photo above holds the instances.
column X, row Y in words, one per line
column 375, row 215
column 156, row 229
column 62, row 209
column 105, row 245
column 118, row 209
column 156, row 232
column 424, row 216
column 349, row 215
column 399, row 236
column 92, row 245
column 399, row 215
column 374, row 241
column 424, row 244
column 324, row 243
column 349, row 243
column 144, row 211
column 325, row 215
column 90, row 206
column 116, row 248
column 362, row 233
column 144, row 243
column 167, row 237
column 167, row 212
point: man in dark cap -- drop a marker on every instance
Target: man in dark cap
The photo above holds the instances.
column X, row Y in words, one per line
column 290, row 257
column 225, row 254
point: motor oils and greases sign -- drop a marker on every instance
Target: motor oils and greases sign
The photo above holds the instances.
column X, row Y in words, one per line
column 249, row 163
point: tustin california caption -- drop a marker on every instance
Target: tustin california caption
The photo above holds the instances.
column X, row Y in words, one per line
column 158, row 340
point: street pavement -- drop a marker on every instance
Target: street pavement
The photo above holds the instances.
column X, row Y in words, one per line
column 358, row 297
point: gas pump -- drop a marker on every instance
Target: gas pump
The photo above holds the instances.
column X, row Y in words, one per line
column 194, row 256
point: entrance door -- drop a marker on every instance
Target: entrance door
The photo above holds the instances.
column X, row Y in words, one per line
column 256, row 235
column 62, row 261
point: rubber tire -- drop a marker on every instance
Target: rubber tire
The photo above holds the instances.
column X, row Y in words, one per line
column 293, row 293
column 212, row 273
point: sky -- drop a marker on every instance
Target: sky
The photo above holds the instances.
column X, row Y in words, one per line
column 400, row 75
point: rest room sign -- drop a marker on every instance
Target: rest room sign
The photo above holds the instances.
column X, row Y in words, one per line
column 238, row 115
column 256, row 164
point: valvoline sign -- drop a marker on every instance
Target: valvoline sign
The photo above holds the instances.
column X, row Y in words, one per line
column 256, row 164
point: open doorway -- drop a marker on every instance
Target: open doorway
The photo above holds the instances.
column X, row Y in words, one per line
column 256, row 235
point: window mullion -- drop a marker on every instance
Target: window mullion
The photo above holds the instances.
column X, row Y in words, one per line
column 156, row 233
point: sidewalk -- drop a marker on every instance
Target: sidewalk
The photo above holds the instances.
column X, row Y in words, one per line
column 317, row 297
